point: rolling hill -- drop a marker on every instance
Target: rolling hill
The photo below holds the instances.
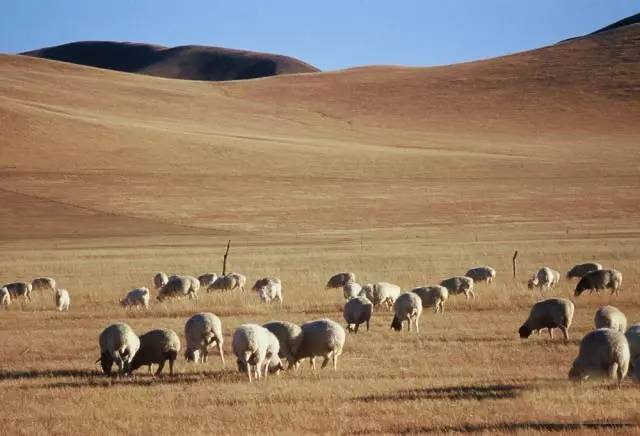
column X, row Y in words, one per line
column 190, row 62
column 526, row 138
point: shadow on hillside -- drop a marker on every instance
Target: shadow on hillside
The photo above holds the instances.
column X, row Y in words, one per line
column 495, row 392
column 515, row 426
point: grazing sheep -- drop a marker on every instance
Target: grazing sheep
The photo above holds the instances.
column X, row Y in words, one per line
column 381, row 293
column 482, row 274
column 459, row 285
column 290, row 337
column 19, row 289
column 610, row 317
column 603, row 352
column 408, row 307
column 549, row 314
column 136, row 298
column 322, row 337
column 545, row 279
column 119, row 344
column 268, row 289
column 433, row 296
column 43, row 284
column 599, row 280
column 62, row 300
column 5, row 297
column 159, row 280
column 194, row 287
column 176, row 287
column 340, row 279
column 351, row 290
column 202, row 330
column 207, row 279
column 228, row 282
column 239, row 280
column 255, row 347
column 582, row 269
column 157, row 346
column 357, row 311
column 633, row 337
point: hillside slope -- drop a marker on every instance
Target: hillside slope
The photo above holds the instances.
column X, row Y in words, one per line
column 190, row 62
column 548, row 136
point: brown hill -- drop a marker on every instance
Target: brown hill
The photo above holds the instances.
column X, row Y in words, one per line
column 190, row 62
column 546, row 136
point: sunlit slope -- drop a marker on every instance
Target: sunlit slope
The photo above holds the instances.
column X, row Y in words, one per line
column 524, row 138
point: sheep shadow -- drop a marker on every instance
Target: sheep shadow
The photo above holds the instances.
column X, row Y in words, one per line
column 51, row 373
column 454, row 393
column 518, row 426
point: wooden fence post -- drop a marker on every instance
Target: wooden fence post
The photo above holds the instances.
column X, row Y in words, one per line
column 224, row 260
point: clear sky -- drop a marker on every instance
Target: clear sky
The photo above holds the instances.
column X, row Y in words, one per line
column 329, row 34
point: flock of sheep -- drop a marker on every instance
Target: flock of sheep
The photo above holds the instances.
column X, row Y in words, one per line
column 609, row 350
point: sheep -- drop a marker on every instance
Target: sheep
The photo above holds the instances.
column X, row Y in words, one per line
column 381, row 293
column 268, row 289
column 19, row 289
column 408, row 307
column 62, row 300
column 582, row 269
column 340, row 279
column 119, row 344
column 228, row 282
column 545, row 279
column 459, row 285
column 194, row 288
column 207, row 279
column 482, row 274
column 255, row 347
column 322, row 337
column 357, row 311
column 633, row 337
column 43, row 283
column 599, row 280
column 136, row 298
column 176, row 287
column 351, row 290
column 290, row 338
column 610, row 317
column 5, row 297
column 433, row 296
column 603, row 352
column 550, row 313
column 157, row 346
column 159, row 280
column 240, row 280
column 201, row 331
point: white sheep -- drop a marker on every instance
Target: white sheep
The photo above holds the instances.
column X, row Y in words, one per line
column 62, row 300
column 159, row 280
column 156, row 347
column 351, row 290
column 582, row 269
column 5, row 297
column 19, row 289
column 322, row 337
column 545, row 279
column 228, row 282
column 290, row 337
column 408, row 307
column 459, row 285
column 118, row 344
column 194, row 287
column 340, row 279
column 599, row 280
column 549, row 314
column 610, row 317
column 239, row 279
column 381, row 293
column 433, row 296
column 207, row 279
column 357, row 311
column 203, row 330
column 255, row 347
column 482, row 274
column 176, row 287
column 603, row 352
column 138, row 297
column 43, row 284
column 268, row 289
column 633, row 337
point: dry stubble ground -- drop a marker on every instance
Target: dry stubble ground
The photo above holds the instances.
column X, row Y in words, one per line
column 467, row 371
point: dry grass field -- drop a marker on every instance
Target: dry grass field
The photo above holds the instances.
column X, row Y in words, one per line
column 398, row 174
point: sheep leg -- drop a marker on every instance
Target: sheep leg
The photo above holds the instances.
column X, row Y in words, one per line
column 355, row 330
column 312, row 361
column 335, row 361
column 417, row 326
column 565, row 333
column 149, row 368
column 221, row 354
column 367, row 325
column 550, row 332
column 325, row 361
column 249, row 369
column 171, row 362
column 160, row 367
column 409, row 322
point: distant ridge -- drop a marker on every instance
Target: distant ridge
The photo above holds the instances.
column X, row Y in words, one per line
column 189, row 62
column 633, row 19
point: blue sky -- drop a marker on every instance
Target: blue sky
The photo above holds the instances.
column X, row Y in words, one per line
column 329, row 34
